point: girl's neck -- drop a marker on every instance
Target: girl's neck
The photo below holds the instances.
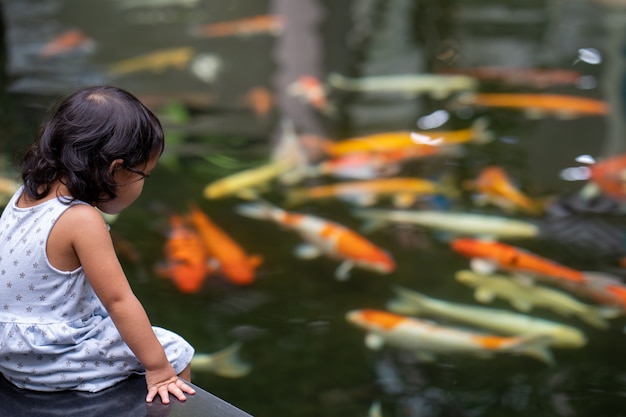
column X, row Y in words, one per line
column 56, row 189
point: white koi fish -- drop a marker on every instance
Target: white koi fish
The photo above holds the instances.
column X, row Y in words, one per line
column 525, row 297
column 500, row 321
column 437, row 85
column 426, row 338
column 225, row 362
column 325, row 237
column 455, row 222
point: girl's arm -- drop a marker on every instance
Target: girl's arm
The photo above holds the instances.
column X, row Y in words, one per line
column 92, row 244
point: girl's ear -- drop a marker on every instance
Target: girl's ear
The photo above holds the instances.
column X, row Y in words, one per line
column 118, row 163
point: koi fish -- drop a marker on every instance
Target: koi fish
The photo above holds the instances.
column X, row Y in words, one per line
column 404, row 191
column 495, row 186
column 525, row 297
column 68, row 41
column 609, row 175
column 288, row 163
column 511, row 258
column 500, row 321
column 260, row 100
column 269, row 24
column 186, row 257
column 312, row 91
column 426, row 338
column 534, row 77
column 439, row 86
column 132, row 4
column 327, row 238
column 233, row 261
column 426, row 141
column 535, row 105
column 225, row 362
column 157, row 61
column 457, row 223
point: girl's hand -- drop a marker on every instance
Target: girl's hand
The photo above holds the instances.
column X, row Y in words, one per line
column 172, row 385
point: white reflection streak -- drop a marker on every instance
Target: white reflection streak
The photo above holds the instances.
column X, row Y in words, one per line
column 425, row 139
column 435, row 119
column 585, row 159
column 575, row 174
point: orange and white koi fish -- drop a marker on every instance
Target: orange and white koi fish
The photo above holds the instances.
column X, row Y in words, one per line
column 494, row 186
column 262, row 24
column 514, row 259
column 428, row 141
column 457, row 223
column 537, row 105
column 501, row 321
column 437, row 85
column 427, row 339
column 68, row 41
column 312, row 90
column 231, row 258
column 327, row 238
column 186, row 257
column 157, row 61
column 403, row 190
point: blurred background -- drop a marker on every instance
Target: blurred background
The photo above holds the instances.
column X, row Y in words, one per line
column 533, row 88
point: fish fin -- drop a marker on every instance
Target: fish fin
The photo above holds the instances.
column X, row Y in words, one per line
column 363, row 200
column 479, row 129
column 295, row 197
column 374, row 341
column 589, row 191
column 521, row 305
column 523, row 280
column 482, row 266
column 375, row 410
column 596, row 316
column 407, row 301
column 404, row 200
column 248, row 194
column 342, row 273
column 307, row 251
column 257, row 210
column 255, row 260
column 484, row 295
column 225, row 362
column 536, row 346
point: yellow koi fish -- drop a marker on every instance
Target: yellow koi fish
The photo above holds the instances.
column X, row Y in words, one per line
column 525, row 297
column 225, row 362
column 157, row 61
column 457, row 223
column 404, row 191
column 497, row 320
column 426, row 338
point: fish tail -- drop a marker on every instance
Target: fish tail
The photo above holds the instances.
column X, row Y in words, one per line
column 225, row 362
column 535, row 346
column 481, row 134
column 596, row 316
column 257, row 210
column 406, row 302
column 296, row 197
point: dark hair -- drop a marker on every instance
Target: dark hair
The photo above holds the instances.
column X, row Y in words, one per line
column 83, row 135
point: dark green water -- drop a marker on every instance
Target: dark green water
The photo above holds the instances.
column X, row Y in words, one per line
column 307, row 361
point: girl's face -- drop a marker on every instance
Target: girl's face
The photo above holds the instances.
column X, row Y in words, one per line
column 129, row 186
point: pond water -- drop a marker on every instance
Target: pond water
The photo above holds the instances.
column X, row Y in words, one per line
column 223, row 96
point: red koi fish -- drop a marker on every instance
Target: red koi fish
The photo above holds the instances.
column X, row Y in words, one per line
column 325, row 237
column 312, row 90
column 233, row 261
column 68, row 41
column 515, row 259
column 427, row 339
column 537, row 104
column 610, row 176
column 186, row 257
column 495, row 186
column 270, row 24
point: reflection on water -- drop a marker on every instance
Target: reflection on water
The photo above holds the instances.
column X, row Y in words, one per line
column 474, row 99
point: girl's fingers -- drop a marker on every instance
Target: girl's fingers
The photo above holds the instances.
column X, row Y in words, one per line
column 178, row 389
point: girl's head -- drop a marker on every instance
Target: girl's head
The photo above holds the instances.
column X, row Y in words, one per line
column 89, row 137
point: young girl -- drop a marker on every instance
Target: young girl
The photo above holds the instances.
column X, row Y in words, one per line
column 68, row 316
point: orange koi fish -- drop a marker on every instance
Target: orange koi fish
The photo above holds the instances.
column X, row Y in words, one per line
column 325, row 237
column 157, row 61
column 537, row 104
column 515, row 259
column 68, row 41
column 312, row 90
column 495, row 186
column 428, row 141
column 404, row 190
column 186, row 257
column 610, row 176
column 270, row 24
column 427, row 339
column 234, row 263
